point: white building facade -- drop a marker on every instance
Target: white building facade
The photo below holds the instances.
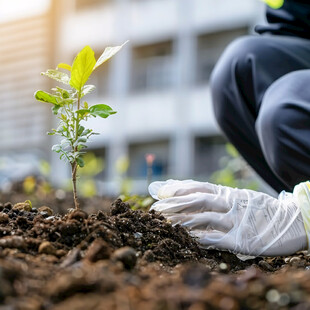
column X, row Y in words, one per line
column 158, row 83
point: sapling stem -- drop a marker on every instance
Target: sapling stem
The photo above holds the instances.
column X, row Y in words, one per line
column 74, row 173
column 74, row 136
column 74, row 166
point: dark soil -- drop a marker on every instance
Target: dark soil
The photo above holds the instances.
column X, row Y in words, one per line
column 132, row 260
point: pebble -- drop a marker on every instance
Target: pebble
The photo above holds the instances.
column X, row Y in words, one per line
column 47, row 248
column 8, row 205
column 196, row 275
column 71, row 258
column 46, row 209
column 223, row 268
column 126, row 255
column 60, row 253
column 23, row 206
column 138, row 235
column 98, row 250
column 294, row 260
column 78, row 215
column 4, row 218
column 264, row 265
column 149, row 256
column 287, row 260
column 273, row 296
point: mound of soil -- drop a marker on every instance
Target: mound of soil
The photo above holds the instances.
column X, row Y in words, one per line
column 127, row 259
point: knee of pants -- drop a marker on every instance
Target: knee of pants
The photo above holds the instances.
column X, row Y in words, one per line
column 233, row 65
column 274, row 125
column 268, row 129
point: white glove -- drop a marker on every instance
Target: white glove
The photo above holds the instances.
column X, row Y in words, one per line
column 239, row 220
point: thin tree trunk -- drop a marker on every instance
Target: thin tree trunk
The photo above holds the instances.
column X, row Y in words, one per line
column 74, row 172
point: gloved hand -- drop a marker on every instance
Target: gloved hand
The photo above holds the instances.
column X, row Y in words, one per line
column 239, row 220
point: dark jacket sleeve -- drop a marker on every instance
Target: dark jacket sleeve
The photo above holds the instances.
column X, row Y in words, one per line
column 292, row 19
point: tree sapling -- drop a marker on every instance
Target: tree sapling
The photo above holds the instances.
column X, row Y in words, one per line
column 71, row 110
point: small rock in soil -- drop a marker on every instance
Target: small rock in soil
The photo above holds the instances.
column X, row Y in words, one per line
column 149, row 256
column 72, row 257
column 196, row 275
column 8, row 205
column 267, row 267
column 47, row 210
column 4, row 218
column 98, row 250
column 23, row 206
column 47, row 248
column 78, row 215
column 126, row 255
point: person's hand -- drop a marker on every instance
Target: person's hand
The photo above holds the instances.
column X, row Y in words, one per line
column 239, row 220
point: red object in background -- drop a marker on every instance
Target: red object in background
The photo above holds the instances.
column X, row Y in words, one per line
column 150, row 159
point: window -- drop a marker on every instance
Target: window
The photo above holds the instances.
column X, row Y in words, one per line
column 152, row 67
column 208, row 152
column 210, row 47
column 138, row 165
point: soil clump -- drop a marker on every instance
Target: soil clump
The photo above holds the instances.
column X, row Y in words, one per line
column 125, row 259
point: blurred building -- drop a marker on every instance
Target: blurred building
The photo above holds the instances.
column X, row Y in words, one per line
column 26, row 48
column 158, row 83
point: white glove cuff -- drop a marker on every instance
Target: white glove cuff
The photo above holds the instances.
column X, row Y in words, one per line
column 301, row 194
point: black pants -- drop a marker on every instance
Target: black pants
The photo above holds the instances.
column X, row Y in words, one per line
column 261, row 97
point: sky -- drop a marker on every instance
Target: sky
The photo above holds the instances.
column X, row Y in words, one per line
column 14, row 9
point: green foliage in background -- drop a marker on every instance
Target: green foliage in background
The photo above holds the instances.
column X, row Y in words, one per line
column 70, row 108
column 93, row 166
column 135, row 201
column 234, row 172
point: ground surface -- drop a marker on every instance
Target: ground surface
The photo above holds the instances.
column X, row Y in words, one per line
column 135, row 260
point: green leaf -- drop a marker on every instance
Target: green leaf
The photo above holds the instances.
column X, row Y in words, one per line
column 107, row 54
column 82, row 112
column 82, row 140
column 61, row 128
column 64, row 66
column 63, row 92
column 80, row 130
column 81, row 146
column 87, row 89
column 82, row 68
column 86, row 132
column 80, row 161
column 55, row 109
column 64, row 142
column 101, row 110
column 44, row 96
column 56, row 148
column 57, row 75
